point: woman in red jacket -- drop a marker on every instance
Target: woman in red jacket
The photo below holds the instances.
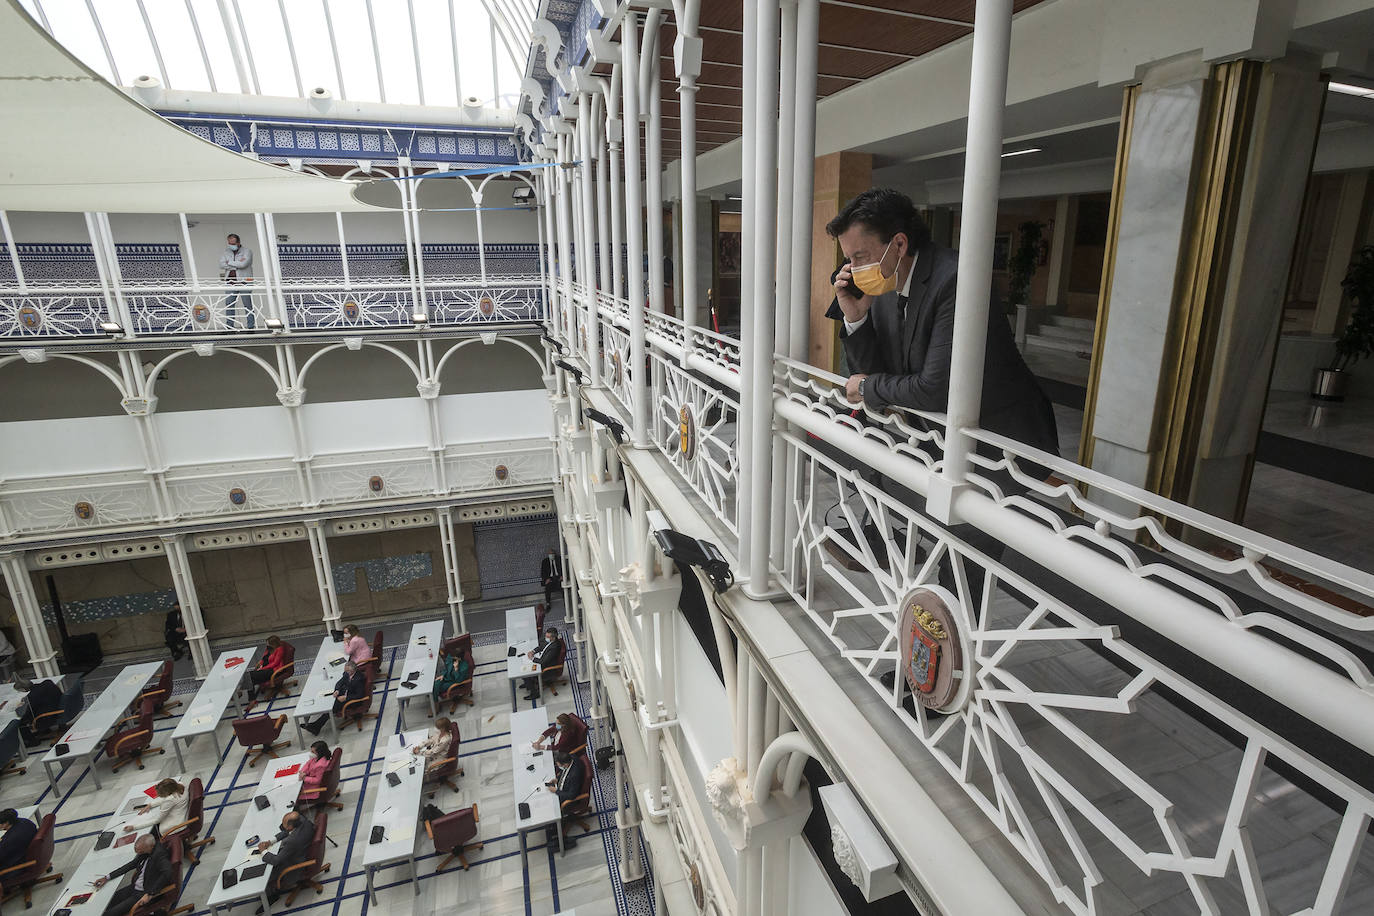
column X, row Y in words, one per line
column 273, row 660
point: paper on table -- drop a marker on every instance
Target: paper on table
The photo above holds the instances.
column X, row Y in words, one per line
column 403, row 832
column 327, row 692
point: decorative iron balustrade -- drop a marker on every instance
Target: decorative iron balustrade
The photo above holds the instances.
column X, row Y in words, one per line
column 695, row 426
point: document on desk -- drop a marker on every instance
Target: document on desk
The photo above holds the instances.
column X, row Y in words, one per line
column 202, row 715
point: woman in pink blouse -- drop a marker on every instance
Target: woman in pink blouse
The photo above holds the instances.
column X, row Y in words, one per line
column 357, row 648
column 312, row 771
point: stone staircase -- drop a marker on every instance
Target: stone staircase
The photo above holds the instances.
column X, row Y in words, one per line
column 1061, row 334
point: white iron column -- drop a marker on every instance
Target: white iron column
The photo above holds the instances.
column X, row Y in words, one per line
column 449, row 547
column 36, row 642
column 757, row 329
column 634, row 210
column 324, row 575
column 803, row 176
column 545, row 180
column 615, row 133
column 687, row 59
column 603, row 203
column 565, row 231
column 197, row 636
column 978, row 225
column 587, row 257
column 651, row 93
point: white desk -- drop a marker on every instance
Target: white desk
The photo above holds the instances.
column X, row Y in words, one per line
column 396, row 809
column 264, row 823
column 422, row 655
column 521, row 633
column 98, row 863
column 529, row 785
column 12, row 704
column 220, row 688
column 317, row 696
column 84, row 736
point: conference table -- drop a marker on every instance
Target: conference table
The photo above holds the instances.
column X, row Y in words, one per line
column 422, row 654
column 523, row 635
column 107, row 855
column 280, row 784
column 317, row 695
column 83, row 738
column 532, row 769
column 396, row 809
column 220, row 688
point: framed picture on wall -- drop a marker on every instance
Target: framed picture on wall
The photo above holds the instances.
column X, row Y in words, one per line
column 1001, row 251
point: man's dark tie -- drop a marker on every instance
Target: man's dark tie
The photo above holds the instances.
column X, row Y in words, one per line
column 901, row 343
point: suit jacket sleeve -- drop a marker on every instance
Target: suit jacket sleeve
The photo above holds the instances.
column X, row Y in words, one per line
column 357, row 686
column 927, row 389
column 159, row 872
column 14, row 844
column 570, row 786
column 128, row 867
column 293, row 849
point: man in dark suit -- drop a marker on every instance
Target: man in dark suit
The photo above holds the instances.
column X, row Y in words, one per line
column 551, row 575
column 567, row 785
column 895, row 295
column 43, row 697
column 297, row 832
column 14, row 843
column 152, row 870
column 351, row 685
column 548, row 654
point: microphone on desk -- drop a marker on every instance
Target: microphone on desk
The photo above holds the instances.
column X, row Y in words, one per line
column 523, row 808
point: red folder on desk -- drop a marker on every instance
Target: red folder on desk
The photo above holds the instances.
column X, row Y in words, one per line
column 288, row 771
column 151, row 791
column 233, row 662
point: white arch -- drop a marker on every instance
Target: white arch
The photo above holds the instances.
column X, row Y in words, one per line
column 414, row 369
column 439, row 367
column 150, row 382
column 371, row 174
column 98, row 366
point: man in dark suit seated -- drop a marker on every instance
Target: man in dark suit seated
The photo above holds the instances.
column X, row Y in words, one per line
column 895, row 298
column 152, row 870
column 43, row 697
column 294, row 838
column 352, row 685
column 547, row 654
column 14, row 842
column 569, row 783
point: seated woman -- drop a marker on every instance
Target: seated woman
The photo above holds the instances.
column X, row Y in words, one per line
column 569, row 731
column 355, row 646
column 435, row 746
column 312, row 771
column 164, row 812
column 273, row 659
column 453, row 669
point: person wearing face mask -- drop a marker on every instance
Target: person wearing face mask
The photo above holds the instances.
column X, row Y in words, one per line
column 894, row 294
column 236, row 267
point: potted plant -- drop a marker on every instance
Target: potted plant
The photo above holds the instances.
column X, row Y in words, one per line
column 1357, row 340
column 1022, row 264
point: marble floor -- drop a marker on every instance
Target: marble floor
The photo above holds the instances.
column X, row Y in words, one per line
column 585, row 878
column 1348, row 425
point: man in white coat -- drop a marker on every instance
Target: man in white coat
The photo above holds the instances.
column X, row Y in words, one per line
column 235, row 267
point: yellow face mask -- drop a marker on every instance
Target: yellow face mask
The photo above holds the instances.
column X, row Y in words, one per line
column 870, row 277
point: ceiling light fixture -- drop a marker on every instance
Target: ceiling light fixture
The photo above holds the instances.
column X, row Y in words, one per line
column 1021, row 152
column 1351, row 89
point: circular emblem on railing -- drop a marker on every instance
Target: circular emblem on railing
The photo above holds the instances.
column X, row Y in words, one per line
column 617, row 370
column 350, row 310
column 374, row 483
column 934, row 651
column 687, row 432
column 200, row 314
column 502, row 472
column 238, row 497
column 486, row 306
column 31, row 318
column 85, row 511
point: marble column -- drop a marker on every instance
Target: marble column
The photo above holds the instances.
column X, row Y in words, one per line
column 26, row 606
column 1208, row 199
column 1061, row 247
column 839, row 178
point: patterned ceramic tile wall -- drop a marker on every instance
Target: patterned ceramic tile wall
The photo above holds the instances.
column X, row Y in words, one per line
column 508, row 554
column 383, row 572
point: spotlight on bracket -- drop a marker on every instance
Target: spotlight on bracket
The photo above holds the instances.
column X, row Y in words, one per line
column 274, row 325
column 615, row 426
column 420, row 320
column 569, row 367
column 684, row 548
column 557, row 345
column 109, row 327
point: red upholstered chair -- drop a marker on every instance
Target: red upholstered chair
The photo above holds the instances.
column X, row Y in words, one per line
column 575, row 809
column 374, row 661
column 54, row 724
column 442, row 772
column 258, row 734
column 324, row 794
column 360, row 709
column 136, row 740
column 451, row 834
column 33, row 871
column 281, row 681
column 553, row 674
column 187, row 831
column 302, row 875
column 579, row 738
column 540, row 612
column 460, row 644
column 165, row 899
column 161, row 692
